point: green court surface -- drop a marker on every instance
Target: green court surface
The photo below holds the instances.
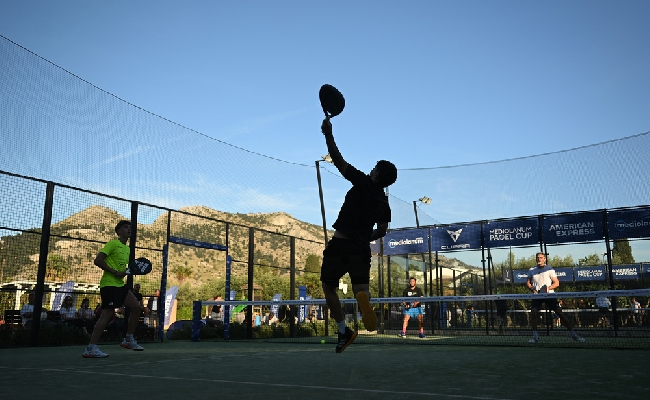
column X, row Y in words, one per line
column 265, row 370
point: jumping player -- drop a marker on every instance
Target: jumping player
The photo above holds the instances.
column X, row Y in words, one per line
column 348, row 251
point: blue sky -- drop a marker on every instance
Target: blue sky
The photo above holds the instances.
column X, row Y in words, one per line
column 427, row 83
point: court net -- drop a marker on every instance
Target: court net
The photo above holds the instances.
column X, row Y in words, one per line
column 605, row 319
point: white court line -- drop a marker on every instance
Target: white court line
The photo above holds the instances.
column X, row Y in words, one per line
column 265, row 384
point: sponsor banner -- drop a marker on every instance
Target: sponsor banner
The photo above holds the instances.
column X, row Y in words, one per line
column 520, row 276
column 507, row 275
column 589, row 273
column 170, row 296
column 456, row 237
column 624, row 224
column 583, row 227
column 564, row 274
column 63, row 290
column 275, row 307
column 625, row 272
column 646, row 270
column 406, row 242
column 520, row 232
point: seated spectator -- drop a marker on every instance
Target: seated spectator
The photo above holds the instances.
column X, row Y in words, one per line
column 86, row 315
column 67, row 311
column 215, row 316
column 27, row 311
column 273, row 320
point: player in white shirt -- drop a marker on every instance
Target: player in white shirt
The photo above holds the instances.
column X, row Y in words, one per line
column 542, row 279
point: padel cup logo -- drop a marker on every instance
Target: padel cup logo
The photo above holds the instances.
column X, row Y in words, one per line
column 403, row 242
column 454, row 234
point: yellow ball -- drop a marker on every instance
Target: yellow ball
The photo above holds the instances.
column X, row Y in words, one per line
column 322, row 341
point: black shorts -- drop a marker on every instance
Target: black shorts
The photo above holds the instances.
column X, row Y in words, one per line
column 343, row 256
column 551, row 303
column 112, row 296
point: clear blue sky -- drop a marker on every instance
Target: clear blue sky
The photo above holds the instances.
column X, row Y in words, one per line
column 427, row 83
column 471, row 80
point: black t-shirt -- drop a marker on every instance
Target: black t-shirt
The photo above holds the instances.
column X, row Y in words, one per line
column 415, row 292
column 365, row 205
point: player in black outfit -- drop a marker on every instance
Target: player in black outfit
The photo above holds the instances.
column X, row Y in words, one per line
column 348, row 251
column 412, row 309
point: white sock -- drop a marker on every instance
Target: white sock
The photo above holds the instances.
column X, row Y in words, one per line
column 91, row 346
column 341, row 326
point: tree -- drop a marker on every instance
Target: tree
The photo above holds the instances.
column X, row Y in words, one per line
column 312, row 263
column 622, row 252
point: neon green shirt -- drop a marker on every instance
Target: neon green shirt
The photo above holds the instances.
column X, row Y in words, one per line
column 117, row 257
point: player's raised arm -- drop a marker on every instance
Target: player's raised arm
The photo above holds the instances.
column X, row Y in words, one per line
column 335, row 154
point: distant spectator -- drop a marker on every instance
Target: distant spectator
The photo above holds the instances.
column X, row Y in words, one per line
column 502, row 314
column 215, row 316
column 636, row 312
column 153, row 307
column 86, row 315
column 469, row 312
column 603, row 305
column 67, row 311
column 273, row 320
column 27, row 311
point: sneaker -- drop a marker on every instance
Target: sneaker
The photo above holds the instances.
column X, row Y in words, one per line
column 367, row 313
column 133, row 345
column 94, row 353
column 345, row 339
column 534, row 340
column 578, row 338
column 422, row 335
column 402, row 334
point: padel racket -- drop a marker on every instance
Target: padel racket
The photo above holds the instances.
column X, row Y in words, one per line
column 331, row 100
column 139, row 266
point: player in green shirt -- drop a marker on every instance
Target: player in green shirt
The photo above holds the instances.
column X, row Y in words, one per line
column 113, row 258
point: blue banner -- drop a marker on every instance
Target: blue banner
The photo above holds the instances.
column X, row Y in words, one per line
column 406, row 242
column 520, row 276
column 625, row 272
column 626, row 224
column 589, row 273
column 583, row 227
column 275, row 307
column 521, row 232
column 564, row 274
column 456, row 237
column 646, row 270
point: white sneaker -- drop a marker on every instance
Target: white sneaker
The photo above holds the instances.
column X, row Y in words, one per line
column 534, row 340
column 132, row 344
column 94, row 353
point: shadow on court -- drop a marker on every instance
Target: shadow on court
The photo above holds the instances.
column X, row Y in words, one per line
column 262, row 370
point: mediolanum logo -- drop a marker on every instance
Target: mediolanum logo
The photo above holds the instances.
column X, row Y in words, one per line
column 403, row 242
column 643, row 222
